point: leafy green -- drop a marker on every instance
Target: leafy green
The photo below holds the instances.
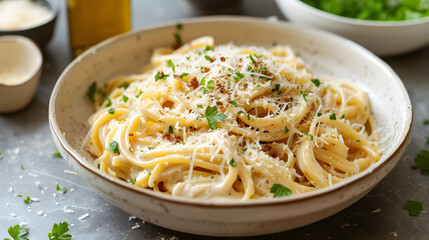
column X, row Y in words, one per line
column 170, row 129
column 233, row 103
column 27, row 200
column 91, row 92
column 160, row 75
column 232, row 163
column 208, row 58
column 179, row 26
column 17, row 232
column 422, row 161
column 280, row 191
column 178, row 39
column 183, row 74
column 333, row 116
column 208, row 48
column 239, row 75
column 113, row 146
column 124, row 98
column 109, row 102
column 61, row 190
column 253, row 60
column 414, row 207
column 59, row 232
column 286, row 129
column 212, row 117
column 171, row 64
column 111, row 111
column 426, row 122
column 316, row 82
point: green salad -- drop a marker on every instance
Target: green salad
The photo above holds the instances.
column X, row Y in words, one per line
column 380, row 10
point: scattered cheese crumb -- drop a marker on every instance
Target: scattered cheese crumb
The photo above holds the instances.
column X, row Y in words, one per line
column 23, row 224
column 70, row 172
column 10, row 189
column 395, row 234
column 66, row 210
column 7, row 204
column 39, row 213
column 32, row 174
column 35, row 199
column 71, row 190
column 13, row 215
column 136, row 226
column 131, row 218
column 16, row 151
column 55, row 194
column 376, row 211
column 20, row 177
column 174, row 238
column 81, row 218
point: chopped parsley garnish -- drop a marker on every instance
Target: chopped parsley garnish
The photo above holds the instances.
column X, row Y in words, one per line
column 243, row 150
column 91, row 92
column 199, row 106
column 124, row 85
column 280, row 191
column 304, row 95
column 342, row 116
column 319, row 114
column 240, row 112
column 286, row 129
column 277, row 88
column 19, row 195
column 422, row 161
column 170, row 129
column 178, row 39
column 233, row 103
column 56, row 154
column 132, row 181
column 239, row 75
column 150, row 148
column 148, row 171
column 179, row 26
column 263, row 69
column 212, row 117
column 316, row 82
column 60, row 189
column 357, row 140
column 171, row 64
column 333, row 116
column 208, row 48
column 210, row 84
column 111, row 111
column 414, row 207
column 232, row 163
column 160, row 75
column 124, row 98
column 130, row 149
column 208, row 58
column 309, row 135
column 113, row 146
column 59, row 232
column 248, row 116
column 427, row 140
column 203, row 82
column 98, row 165
column 17, row 232
column 22, row 167
column 139, row 93
column 109, row 102
column 426, row 122
column 253, row 60
column 27, row 200
column 183, row 74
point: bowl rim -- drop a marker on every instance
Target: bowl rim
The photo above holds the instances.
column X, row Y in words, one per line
column 56, row 132
column 53, row 7
column 34, row 47
column 355, row 21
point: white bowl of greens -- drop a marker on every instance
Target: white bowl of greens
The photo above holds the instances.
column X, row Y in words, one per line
column 385, row 30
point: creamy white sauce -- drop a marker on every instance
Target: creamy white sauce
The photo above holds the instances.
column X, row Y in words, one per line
column 21, row 14
column 12, row 76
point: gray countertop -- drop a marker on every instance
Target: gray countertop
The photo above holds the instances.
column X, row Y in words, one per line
column 25, row 140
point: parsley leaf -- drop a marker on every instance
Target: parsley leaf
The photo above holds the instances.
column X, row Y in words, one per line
column 183, row 74
column 178, row 39
column 427, row 140
column 422, row 161
column 342, row 116
column 263, row 69
column 59, row 232
column 170, row 129
column 27, row 200
column 277, row 88
column 61, row 190
column 253, row 60
column 426, row 122
column 240, row 112
column 239, row 75
column 150, row 148
column 17, row 232
column 212, row 117
column 56, row 154
column 124, row 85
column 171, row 64
column 208, row 58
column 333, row 116
column 113, row 146
column 280, row 191
column 233, row 103
column 208, row 48
column 232, row 163
column 319, row 114
column 111, row 111
column 309, row 135
column 414, row 207
column 210, row 84
column 304, row 95
column 286, row 129
column 124, row 98
column 132, row 181
column 109, row 102
column 316, row 82
column 179, row 26
column 160, row 75
column 91, row 92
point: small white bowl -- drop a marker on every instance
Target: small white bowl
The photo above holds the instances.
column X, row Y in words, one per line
column 384, row 38
column 328, row 56
column 20, row 70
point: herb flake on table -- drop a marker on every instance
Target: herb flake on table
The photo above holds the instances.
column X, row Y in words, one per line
column 280, row 191
column 17, row 232
column 91, row 92
column 61, row 189
column 27, row 200
column 56, row 154
column 59, row 232
column 414, row 207
column 422, row 161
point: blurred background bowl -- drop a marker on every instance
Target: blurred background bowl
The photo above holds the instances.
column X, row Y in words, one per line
column 41, row 33
column 384, row 38
column 20, row 70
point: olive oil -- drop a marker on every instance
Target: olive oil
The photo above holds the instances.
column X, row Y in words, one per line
column 92, row 21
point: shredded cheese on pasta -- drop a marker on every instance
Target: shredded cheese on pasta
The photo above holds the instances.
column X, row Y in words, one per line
column 230, row 122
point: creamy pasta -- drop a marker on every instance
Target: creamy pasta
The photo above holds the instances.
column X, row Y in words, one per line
column 230, row 122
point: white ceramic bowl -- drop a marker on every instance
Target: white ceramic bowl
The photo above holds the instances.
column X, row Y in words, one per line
column 20, row 70
column 381, row 37
column 327, row 54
